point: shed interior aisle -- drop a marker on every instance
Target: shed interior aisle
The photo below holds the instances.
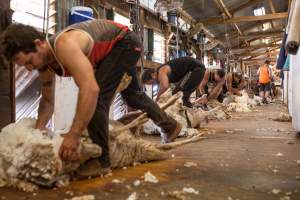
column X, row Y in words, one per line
column 247, row 157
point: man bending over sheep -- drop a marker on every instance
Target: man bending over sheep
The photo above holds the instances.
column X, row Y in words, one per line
column 96, row 54
column 185, row 72
column 212, row 84
column 235, row 82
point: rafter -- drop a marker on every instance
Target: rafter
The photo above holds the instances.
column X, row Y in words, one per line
column 272, row 53
column 255, row 47
column 214, row 21
column 249, row 42
column 244, row 29
column 272, row 7
column 196, row 27
column 278, row 30
column 271, row 4
column 272, row 59
column 260, row 35
column 220, row 4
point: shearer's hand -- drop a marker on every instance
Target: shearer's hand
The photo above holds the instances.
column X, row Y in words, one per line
column 43, row 129
column 205, row 100
column 69, row 148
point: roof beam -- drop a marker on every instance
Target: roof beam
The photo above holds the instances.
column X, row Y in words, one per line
column 260, row 59
column 252, row 40
column 272, row 7
column 220, row 4
column 260, row 46
column 196, row 27
column 269, row 46
column 214, row 21
column 274, row 31
column 261, row 35
column 272, row 53
column 233, row 34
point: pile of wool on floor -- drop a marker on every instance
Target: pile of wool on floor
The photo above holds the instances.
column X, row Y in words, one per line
column 242, row 103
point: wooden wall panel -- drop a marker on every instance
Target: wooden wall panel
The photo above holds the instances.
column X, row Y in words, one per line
column 5, row 4
column 4, row 81
column 6, row 77
column 5, row 111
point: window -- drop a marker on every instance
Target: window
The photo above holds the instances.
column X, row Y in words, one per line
column 159, row 48
column 30, row 12
column 121, row 19
column 259, row 11
column 148, row 4
column 33, row 12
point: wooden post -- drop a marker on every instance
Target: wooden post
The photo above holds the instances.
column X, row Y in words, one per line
column 168, row 36
column 242, row 66
column 7, row 84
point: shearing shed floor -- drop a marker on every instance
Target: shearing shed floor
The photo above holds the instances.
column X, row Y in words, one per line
column 246, row 157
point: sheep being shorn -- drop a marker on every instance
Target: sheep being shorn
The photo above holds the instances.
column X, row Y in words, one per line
column 27, row 155
column 189, row 118
column 29, row 159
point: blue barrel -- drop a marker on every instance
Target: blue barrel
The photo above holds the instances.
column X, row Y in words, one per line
column 79, row 14
column 172, row 17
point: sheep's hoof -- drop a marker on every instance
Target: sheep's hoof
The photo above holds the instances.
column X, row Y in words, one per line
column 91, row 168
column 173, row 135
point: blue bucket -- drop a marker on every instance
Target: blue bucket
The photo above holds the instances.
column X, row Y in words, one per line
column 79, row 14
column 172, row 17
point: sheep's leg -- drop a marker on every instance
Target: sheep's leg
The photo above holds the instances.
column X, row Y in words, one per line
column 210, row 113
column 88, row 151
column 141, row 116
column 171, row 101
column 138, row 121
column 126, row 80
column 200, row 99
column 173, row 145
column 130, row 117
